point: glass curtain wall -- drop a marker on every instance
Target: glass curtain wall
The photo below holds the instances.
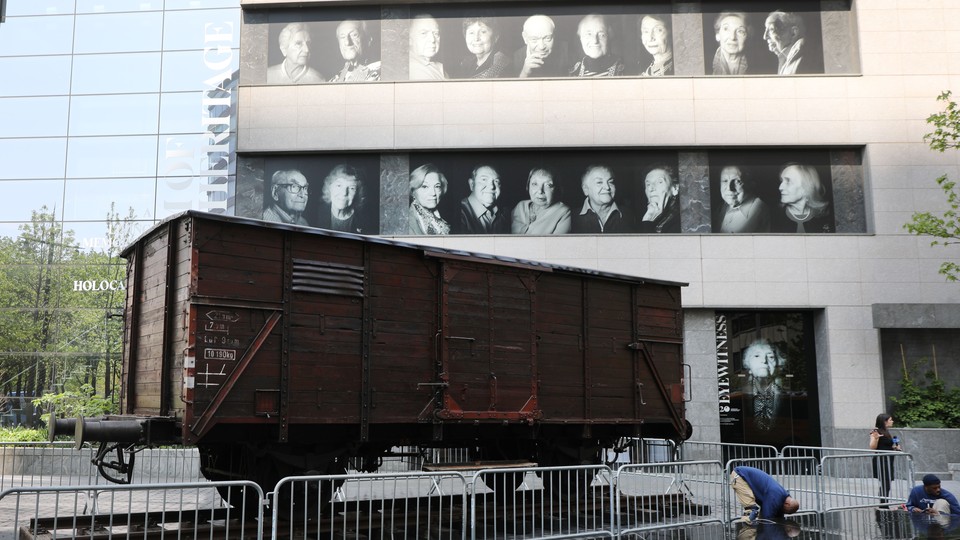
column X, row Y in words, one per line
column 115, row 115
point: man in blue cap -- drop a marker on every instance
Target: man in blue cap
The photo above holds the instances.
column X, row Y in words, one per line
column 931, row 499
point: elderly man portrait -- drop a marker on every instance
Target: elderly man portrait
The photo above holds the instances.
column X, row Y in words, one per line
column 542, row 54
column 542, row 213
column 596, row 40
column 288, row 195
column 785, row 34
column 355, row 47
column 657, row 40
column 600, row 212
column 295, row 44
column 661, row 187
column 484, row 60
column 479, row 213
column 343, row 198
column 742, row 211
column 427, row 186
column 805, row 202
column 424, row 48
column 732, row 32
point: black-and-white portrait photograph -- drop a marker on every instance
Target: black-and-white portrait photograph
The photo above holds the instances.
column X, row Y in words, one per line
column 771, row 372
column 338, row 194
column 785, row 40
column 655, row 31
column 776, row 191
column 661, row 189
column 291, row 59
column 425, row 44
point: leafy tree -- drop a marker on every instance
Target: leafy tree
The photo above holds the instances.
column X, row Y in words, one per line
column 82, row 401
column 944, row 228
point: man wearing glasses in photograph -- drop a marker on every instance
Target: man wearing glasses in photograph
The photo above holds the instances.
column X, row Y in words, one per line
column 288, row 194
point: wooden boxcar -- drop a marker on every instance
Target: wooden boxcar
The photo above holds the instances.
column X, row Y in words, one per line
column 283, row 350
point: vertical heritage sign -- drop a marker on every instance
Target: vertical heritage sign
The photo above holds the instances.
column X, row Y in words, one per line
column 198, row 166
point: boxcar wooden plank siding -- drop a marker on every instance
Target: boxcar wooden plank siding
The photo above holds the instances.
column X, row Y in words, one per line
column 377, row 343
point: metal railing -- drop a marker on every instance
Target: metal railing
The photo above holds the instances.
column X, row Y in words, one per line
column 864, row 480
column 61, row 464
column 669, row 495
column 541, row 502
column 179, row 510
column 453, row 501
column 394, row 505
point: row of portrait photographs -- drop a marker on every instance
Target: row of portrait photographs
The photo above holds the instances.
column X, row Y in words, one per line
column 461, row 42
column 547, row 193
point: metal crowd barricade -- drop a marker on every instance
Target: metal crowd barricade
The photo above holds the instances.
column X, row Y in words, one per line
column 542, row 502
column 799, row 475
column 853, row 480
column 60, row 464
column 723, row 452
column 820, row 452
column 177, row 510
column 397, row 505
column 669, row 495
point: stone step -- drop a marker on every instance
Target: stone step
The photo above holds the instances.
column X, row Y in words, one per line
column 942, row 475
column 954, row 468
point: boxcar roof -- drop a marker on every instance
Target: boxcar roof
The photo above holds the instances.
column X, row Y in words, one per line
column 428, row 250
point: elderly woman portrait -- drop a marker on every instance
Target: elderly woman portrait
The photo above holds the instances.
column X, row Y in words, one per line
column 663, row 211
column 742, row 211
column 295, row 46
column 484, row 60
column 657, row 39
column 805, row 202
column 764, row 366
column 542, row 213
column 343, row 197
column 596, row 39
column 424, row 48
column 287, row 198
column 427, row 186
column 732, row 32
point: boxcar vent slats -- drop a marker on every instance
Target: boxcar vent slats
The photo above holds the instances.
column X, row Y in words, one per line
column 327, row 278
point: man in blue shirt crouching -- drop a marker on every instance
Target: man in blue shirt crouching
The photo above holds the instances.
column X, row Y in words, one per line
column 761, row 495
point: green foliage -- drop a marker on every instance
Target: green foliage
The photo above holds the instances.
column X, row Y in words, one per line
column 945, row 227
column 73, row 403
column 53, row 336
column 926, row 403
column 22, row 434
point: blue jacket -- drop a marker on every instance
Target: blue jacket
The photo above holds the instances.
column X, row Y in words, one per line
column 769, row 494
column 918, row 499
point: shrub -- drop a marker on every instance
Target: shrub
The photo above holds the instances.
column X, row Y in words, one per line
column 926, row 400
column 22, row 434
